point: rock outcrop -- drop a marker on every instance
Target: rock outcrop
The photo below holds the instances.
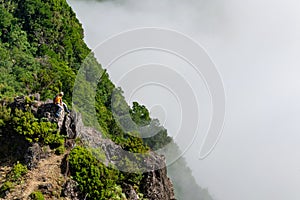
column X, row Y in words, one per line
column 157, row 185
column 33, row 156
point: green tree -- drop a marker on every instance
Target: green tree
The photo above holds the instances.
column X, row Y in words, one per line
column 140, row 114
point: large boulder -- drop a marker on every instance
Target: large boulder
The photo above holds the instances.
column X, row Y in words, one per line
column 47, row 111
column 33, row 156
column 72, row 125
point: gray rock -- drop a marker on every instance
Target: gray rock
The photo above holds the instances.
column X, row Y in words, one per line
column 37, row 96
column 70, row 189
column 73, row 125
column 19, row 103
column 47, row 111
column 130, row 192
column 157, row 185
column 33, row 156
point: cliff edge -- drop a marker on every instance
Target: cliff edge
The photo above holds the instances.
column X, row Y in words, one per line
column 51, row 175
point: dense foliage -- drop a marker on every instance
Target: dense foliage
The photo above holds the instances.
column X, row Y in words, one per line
column 25, row 124
column 17, row 171
column 94, row 178
column 41, row 47
column 97, row 180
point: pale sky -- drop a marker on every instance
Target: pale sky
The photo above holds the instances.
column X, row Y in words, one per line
column 255, row 46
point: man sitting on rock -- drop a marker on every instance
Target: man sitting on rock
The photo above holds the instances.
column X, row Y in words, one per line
column 60, row 104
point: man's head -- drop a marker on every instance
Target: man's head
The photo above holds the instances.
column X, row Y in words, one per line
column 61, row 94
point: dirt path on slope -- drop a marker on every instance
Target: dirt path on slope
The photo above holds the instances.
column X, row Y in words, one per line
column 47, row 176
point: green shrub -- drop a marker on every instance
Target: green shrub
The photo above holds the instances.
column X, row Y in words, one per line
column 18, row 171
column 94, row 178
column 60, row 150
column 54, row 140
column 4, row 115
column 7, row 186
column 37, row 195
column 34, row 130
column 28, row 100
column 134, row 144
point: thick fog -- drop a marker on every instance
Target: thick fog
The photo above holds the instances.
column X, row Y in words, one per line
column 255, row 45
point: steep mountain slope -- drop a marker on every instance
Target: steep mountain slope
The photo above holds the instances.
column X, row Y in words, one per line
column 41, row 47
column 41, row 50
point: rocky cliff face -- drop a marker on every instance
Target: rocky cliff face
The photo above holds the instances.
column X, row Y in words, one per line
column 155, row 184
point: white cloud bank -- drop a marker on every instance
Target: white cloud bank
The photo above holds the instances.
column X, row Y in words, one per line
column 255, row 45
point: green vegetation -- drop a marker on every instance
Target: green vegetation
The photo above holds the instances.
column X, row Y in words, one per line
column 13, row 177
column 24, row 123
column 6, row 187
column 94, row 178
column 37, row 195
column 41, row 48
column 60, row 150
column 18, row 171
column 140, row 115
